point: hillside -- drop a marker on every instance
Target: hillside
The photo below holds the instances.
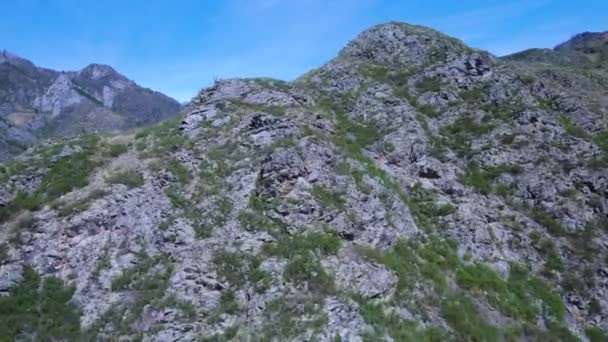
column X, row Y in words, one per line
column 411, row 189
column 38, row 103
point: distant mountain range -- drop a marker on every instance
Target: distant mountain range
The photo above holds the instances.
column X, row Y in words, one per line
column 37, row 102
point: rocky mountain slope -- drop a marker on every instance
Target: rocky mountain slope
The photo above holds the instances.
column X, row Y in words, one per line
column 39, row 103
column 411, row 189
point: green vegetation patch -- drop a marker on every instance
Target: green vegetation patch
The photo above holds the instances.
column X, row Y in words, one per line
column 129, row 177
column 571, row 128
column 39, row 310
column 431, row 264
column 328, row 197
column 147, row 281
column 432, row 84
column 161, row 139
column 64, row 209
column 482, row 179
column 303, row 253
column 391, row 324
column 291, row 317
column 239, row 269
column 64, row 175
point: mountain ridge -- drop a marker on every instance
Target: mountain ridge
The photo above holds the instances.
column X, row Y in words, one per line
column 40, row 103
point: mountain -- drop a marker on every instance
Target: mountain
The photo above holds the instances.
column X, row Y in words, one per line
column 588, row 50
column 411, row 189
column 39, row 103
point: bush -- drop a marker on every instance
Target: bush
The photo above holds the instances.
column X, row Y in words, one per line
column 428, row 84
column 328, row 198
column 39, row 308
column 553, row 226
column 130, row 178
column 463, row 316
column 571, row 128
column 482, row 179
column 115, row 150
column 180, row 171
column 473, row 95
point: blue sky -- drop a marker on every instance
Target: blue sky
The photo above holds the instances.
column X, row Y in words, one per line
column 178, row 46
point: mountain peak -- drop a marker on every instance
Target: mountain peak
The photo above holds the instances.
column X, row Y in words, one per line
column 98, row 71
column 585, row 41
column 9, row 57
column 594, row 45
column 400, row 43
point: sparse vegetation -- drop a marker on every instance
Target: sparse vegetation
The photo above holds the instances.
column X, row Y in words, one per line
column 64, row 175
column 428, row 84
column 571, row 128
column 239, row 269
column 40, row 310
column 482, row 179
column 458, row 135
column 129, row 177
column 302, row 253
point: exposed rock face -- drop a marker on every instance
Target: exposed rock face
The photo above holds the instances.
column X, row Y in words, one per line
column 411, row 189
column 37, row 102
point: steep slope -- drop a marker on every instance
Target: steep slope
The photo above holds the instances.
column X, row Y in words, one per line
column 37, row 102
column 411, row 189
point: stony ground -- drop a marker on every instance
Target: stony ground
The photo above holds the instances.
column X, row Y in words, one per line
column 412, row 189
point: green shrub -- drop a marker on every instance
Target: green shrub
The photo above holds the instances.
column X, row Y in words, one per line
column 115, row 150
column 328, row 197
column 429, row 111
column 428, row 84
column 238, row 268
column 601, row 140
column 180, row 171
column 596, row 334
column 544, row 218
column 128, row 277
column 40, row 309
column 228, row 303
column 473, row 95
column 284, row 318
column 396, row 327
column 306, row 268
column 458, row 135
column 131, row 178
column 326, row 243
column 463, row 316
column 482, row 179
column 571, row 128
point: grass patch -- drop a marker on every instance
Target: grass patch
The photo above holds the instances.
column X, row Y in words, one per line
column 148, row 282
column 288, row 318
column 328, row 198
column 427, row 84
column 473, row 95
column 302, row 253
column 482, row 179
column 79, row 206
column 180, row 171
column 115, row 150
column 239, row 269
column 458, row 135
column 553, row 226
column 63, row 175
column 571, row 128
column 394, row 326
column 131, row 178
column 463, row 317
